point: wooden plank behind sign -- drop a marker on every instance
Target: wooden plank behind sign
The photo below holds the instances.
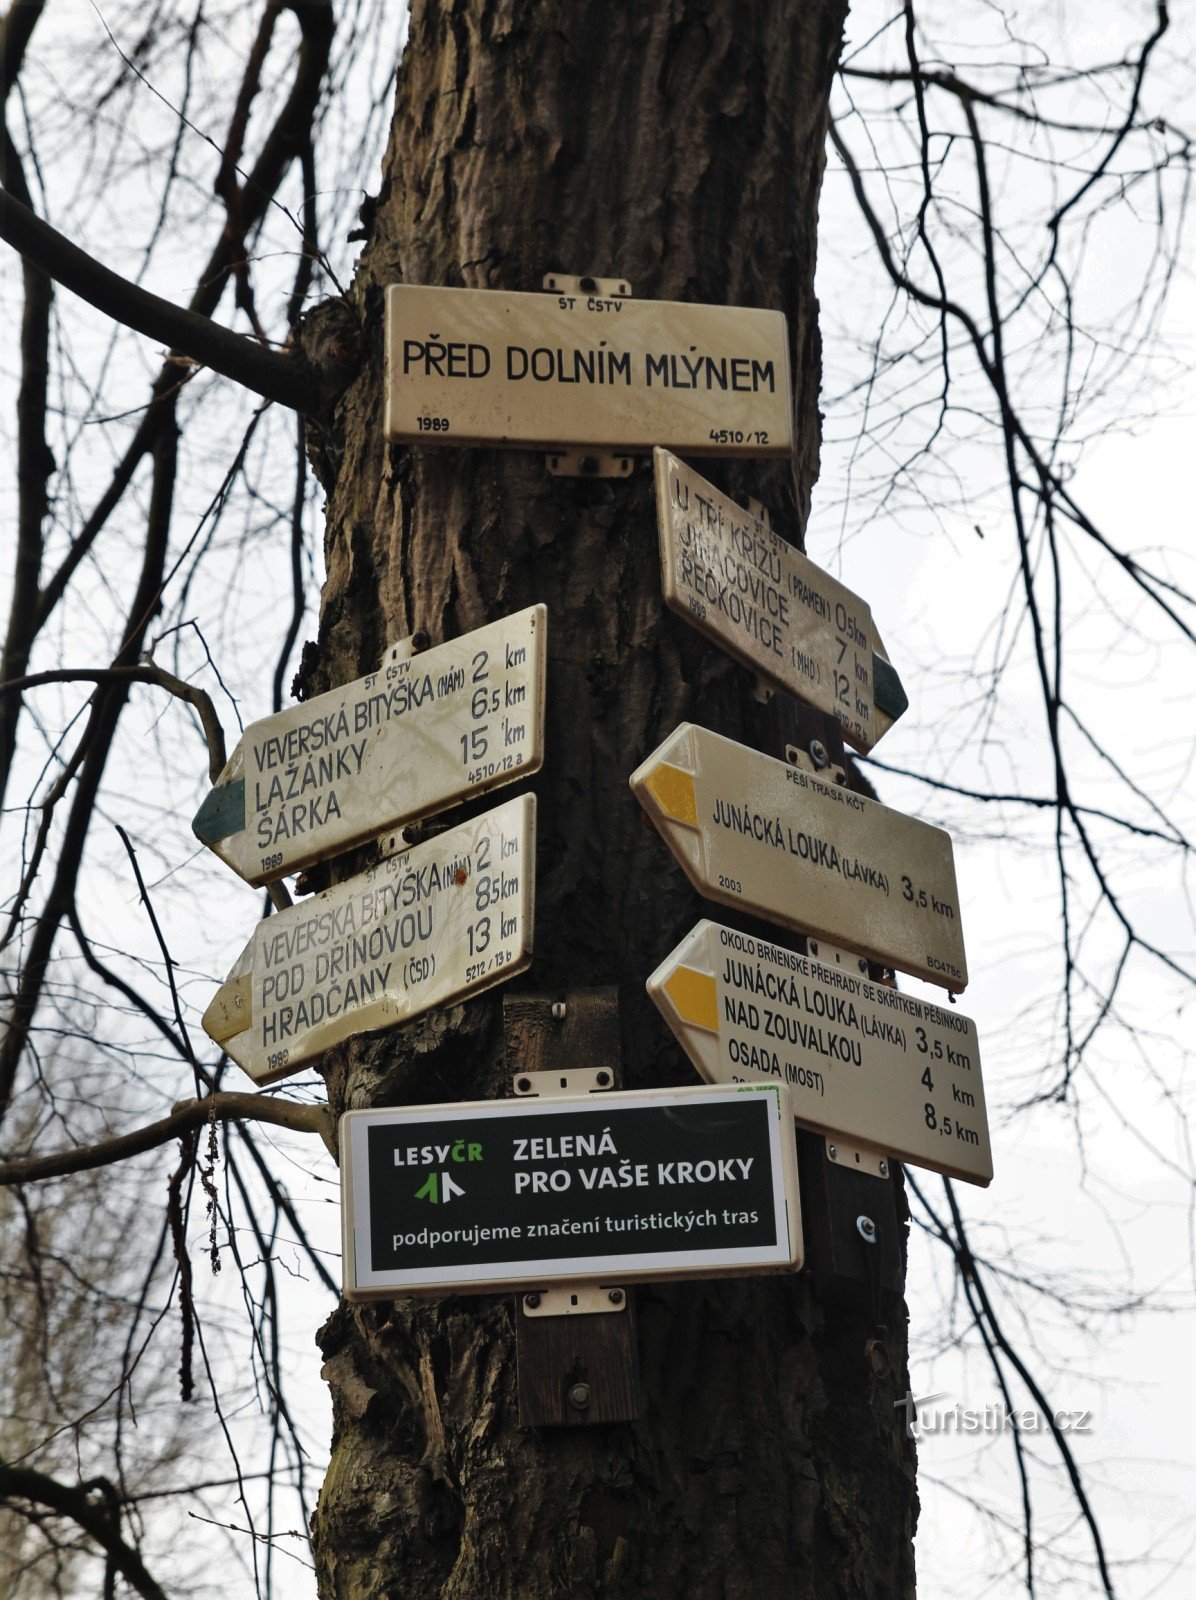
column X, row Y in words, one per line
column 556, row 1354
column 754, row 832
column 603, row 1188
column 884, row 1070
column 482, row 366
column 445, row 919
column 451, row 723
column 764, row 603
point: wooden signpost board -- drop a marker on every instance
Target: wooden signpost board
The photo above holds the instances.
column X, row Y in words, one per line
column 606, row 1188
column 764, row 603
column 880, row 1069
column 408, row 740
column 754, row 832
column 445, row 919
column 487, row 367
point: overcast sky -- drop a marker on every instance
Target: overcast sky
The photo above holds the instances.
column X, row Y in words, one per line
column 1092, row 1197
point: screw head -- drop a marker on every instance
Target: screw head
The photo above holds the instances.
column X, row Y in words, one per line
column 615, row 1297
column 603, row 1078
column 523, row 1084
column 579, row 1396
column 531, row 1301
column 832, row 1152
column 884, row 1169
column 812, row 945
column 558, row 1010
column 818, row 753
column 867, row 1228
column 863, row 965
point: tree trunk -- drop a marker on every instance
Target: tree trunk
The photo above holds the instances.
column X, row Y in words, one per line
column 680, row 147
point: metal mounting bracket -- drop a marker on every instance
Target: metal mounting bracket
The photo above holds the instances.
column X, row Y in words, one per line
column 583, row 1300
column 858, row 1160
column 553, row 1085
column 595, row 288
column 832, row 955
column 403, row 650
column 585, row 463
column 576, row 1366
column 816, row 761
column 589, row 464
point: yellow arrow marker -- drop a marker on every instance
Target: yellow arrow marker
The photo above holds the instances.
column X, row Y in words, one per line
column 231, row 1010
column 673, row 790
column 695, row 996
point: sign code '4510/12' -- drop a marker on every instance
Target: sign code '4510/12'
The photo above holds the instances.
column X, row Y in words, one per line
column 445, row 919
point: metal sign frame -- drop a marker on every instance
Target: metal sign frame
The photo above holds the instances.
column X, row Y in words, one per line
column 865, row 1064
column 423, row 733
column 439, row 922
column 769, row 607
column 757, row 833
column 556, row 1267
column 550, row 371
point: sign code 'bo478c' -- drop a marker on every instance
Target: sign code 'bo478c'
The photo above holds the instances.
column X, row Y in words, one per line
column 751, row 831
column 415, row 736
column 482, row 366
column 445, row 919
column 654, row 1183
column 764, row 603
column 862, row 1062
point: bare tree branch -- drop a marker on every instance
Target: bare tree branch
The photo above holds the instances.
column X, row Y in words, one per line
column 144, row 673
column 284, row 379
column 225, row 1106
column 98, row 1518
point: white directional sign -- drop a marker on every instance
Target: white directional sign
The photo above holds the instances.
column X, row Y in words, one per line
column 656, row 1183
column 753, row 832
column 764, row 603
column 445, row 919
column 863, row 1062
column 481, row 366
column 410, row 739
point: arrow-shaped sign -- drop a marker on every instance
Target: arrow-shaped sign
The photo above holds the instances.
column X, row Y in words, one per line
column 754, row 832
column 406, row 741
column 880, row 1069
column 445, row 919
column 726, row 572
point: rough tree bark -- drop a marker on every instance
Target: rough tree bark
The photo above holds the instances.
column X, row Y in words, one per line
column 679, row 146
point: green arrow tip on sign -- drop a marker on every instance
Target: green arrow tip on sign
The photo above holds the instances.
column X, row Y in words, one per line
column 222, row 813
column 887, row 689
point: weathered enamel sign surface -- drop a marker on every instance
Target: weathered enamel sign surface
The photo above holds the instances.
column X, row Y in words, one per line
column 482, row 366
column 883, row 1070
column 766, row 604
column 754, row 832
column 653, row 1183
column 408, row 740
column 445, row 919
